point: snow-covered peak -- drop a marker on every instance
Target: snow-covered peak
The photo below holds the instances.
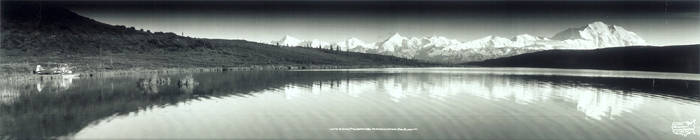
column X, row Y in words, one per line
column 352, row 39
column 597, row 35
column 490, row 38
column 438, row 38
column 288, row 37
column 434, row 37
column 392, row 42
column 526, row 37
column 443, row 49
column 288, row 41
column 354, row 43
column 596, row 29
column 396, row 37
column 483, row 39
column 524, row 40
column 440, row 41
column 599, row 25
column 576, row 33
column 490, row 41
column 315, row 43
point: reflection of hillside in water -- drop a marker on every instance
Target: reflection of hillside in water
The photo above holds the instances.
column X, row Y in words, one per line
column 597, row 98
column 8, row 95
column 150, row 85
column 52, row 113
column 187, row 84
column 11, row 92
column 153, row 84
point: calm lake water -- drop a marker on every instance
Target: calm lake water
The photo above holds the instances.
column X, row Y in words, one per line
column 413, row 103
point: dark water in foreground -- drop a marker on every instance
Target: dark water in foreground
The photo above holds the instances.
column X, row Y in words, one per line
column 339, row 104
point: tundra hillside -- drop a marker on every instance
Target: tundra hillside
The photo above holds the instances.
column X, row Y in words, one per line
column 44, row 34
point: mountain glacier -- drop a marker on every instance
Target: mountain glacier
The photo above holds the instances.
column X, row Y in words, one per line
column 441, row 49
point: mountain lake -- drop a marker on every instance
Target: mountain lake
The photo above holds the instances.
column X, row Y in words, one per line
column 382, row 103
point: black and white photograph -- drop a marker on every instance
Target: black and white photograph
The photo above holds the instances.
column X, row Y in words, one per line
column 350, row 69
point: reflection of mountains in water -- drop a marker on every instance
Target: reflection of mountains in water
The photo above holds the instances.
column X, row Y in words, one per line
column 597, row 98
column 93, row 100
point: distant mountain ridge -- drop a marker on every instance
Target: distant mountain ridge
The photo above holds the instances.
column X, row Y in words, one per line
column 442, row 49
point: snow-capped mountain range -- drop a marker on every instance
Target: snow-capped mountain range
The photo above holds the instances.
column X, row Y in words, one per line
column 441, row 49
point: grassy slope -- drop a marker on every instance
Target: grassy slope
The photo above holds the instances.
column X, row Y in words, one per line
column 685, row 59
column 33, row 34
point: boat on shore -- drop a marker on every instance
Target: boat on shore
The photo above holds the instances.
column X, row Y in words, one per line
column 62, row 70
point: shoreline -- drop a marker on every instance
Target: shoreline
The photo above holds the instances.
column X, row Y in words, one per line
column 16, row 77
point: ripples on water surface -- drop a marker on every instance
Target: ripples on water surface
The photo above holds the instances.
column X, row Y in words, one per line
column 434, row 103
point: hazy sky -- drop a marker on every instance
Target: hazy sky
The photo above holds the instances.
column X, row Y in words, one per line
column 659, row 22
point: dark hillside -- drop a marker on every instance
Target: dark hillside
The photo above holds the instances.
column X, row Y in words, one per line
column 35, row 33
column 684, row 59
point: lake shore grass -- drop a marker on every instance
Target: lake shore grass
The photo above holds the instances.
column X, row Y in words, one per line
column 18, row 78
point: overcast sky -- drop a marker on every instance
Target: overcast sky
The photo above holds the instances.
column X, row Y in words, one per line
column 659, row 22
